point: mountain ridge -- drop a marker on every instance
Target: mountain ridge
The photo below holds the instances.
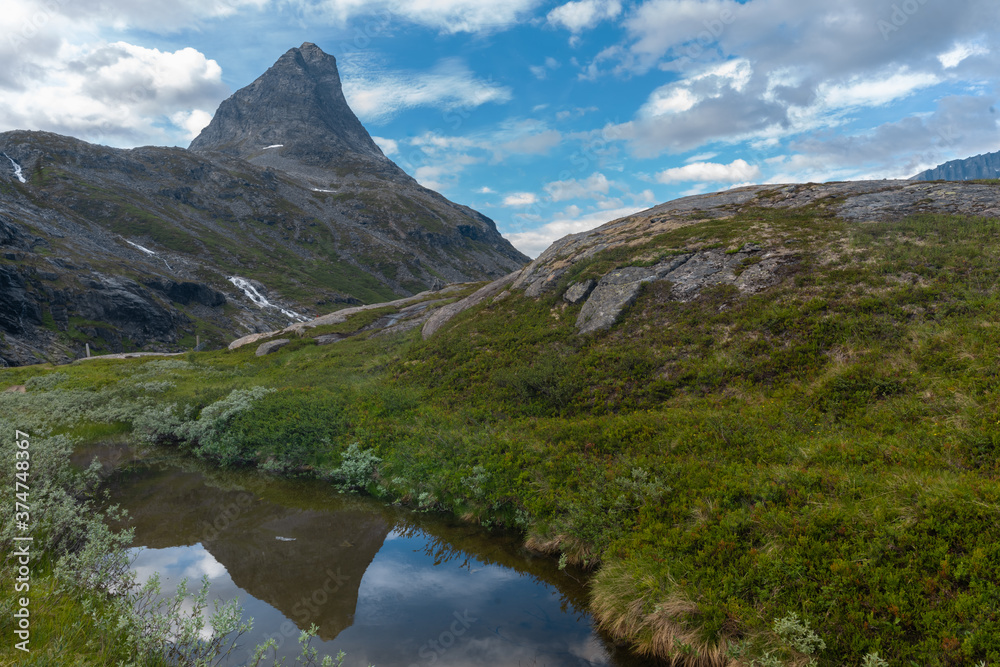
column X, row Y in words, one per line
column 985, row 166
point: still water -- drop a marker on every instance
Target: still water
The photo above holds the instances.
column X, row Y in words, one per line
column 387, row 586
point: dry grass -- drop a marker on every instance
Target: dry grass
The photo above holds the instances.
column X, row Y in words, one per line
column 577, row 553
column 667, row 627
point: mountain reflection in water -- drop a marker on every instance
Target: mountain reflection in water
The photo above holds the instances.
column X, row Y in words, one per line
column 386, row 586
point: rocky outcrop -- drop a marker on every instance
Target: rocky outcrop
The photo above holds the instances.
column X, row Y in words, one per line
column 443, row 315
column 578, row 292
column 750, row 268
column 688, row 273
column 272, row 346
column 126, row 306
column 110, row 312
column 618, row 290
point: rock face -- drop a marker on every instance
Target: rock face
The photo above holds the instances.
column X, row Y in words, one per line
column 578, row 292
column 986, row 166
column 689, row 273
column 294, row 117
column 271, row 346
column 618, row 290
column 284, row 192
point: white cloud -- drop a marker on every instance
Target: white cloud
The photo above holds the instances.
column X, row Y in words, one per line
column 591, row 187
column 669, row 99
column 26, row 18
column 432, row 142
column 954, row 57
column 119, row 94
column 447, row 16
column 659, row 25
column 515, row 135
column 874, row 91
column 450, row 85
column 486, row 190
column 804, row 67
column 583, row 14
column 431, row 176
column 831, row 39
column 435, row 154
column 193, row 122
column 520, row 199
column 701, row 157
column 712, row 83
column 960, row 126
column 713, row 172
column 389, row 146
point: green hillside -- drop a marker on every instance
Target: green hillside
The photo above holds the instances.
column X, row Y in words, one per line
column 804, row 473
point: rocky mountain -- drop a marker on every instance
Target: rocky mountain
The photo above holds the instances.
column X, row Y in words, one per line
column 986, row 166
column 295, row 118
column 281, row 210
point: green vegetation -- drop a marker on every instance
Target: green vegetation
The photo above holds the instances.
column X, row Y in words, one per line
column 807, row 474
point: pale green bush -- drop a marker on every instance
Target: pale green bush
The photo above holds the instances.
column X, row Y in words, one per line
column 357, row 469
column 45, row 382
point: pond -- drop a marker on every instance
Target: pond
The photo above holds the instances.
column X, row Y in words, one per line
column 387, row 586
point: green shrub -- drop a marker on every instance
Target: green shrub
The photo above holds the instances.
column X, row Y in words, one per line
column 290, row 429
column 854, row 388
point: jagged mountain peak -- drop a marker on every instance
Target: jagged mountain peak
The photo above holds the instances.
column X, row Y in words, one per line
column 294, row 117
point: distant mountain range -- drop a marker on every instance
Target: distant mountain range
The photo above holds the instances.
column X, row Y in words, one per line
column 986, row 166
column 282, row 208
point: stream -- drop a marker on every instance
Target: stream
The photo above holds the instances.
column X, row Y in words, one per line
column 387, row 586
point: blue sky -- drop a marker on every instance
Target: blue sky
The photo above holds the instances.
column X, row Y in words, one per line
column 549, row 117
